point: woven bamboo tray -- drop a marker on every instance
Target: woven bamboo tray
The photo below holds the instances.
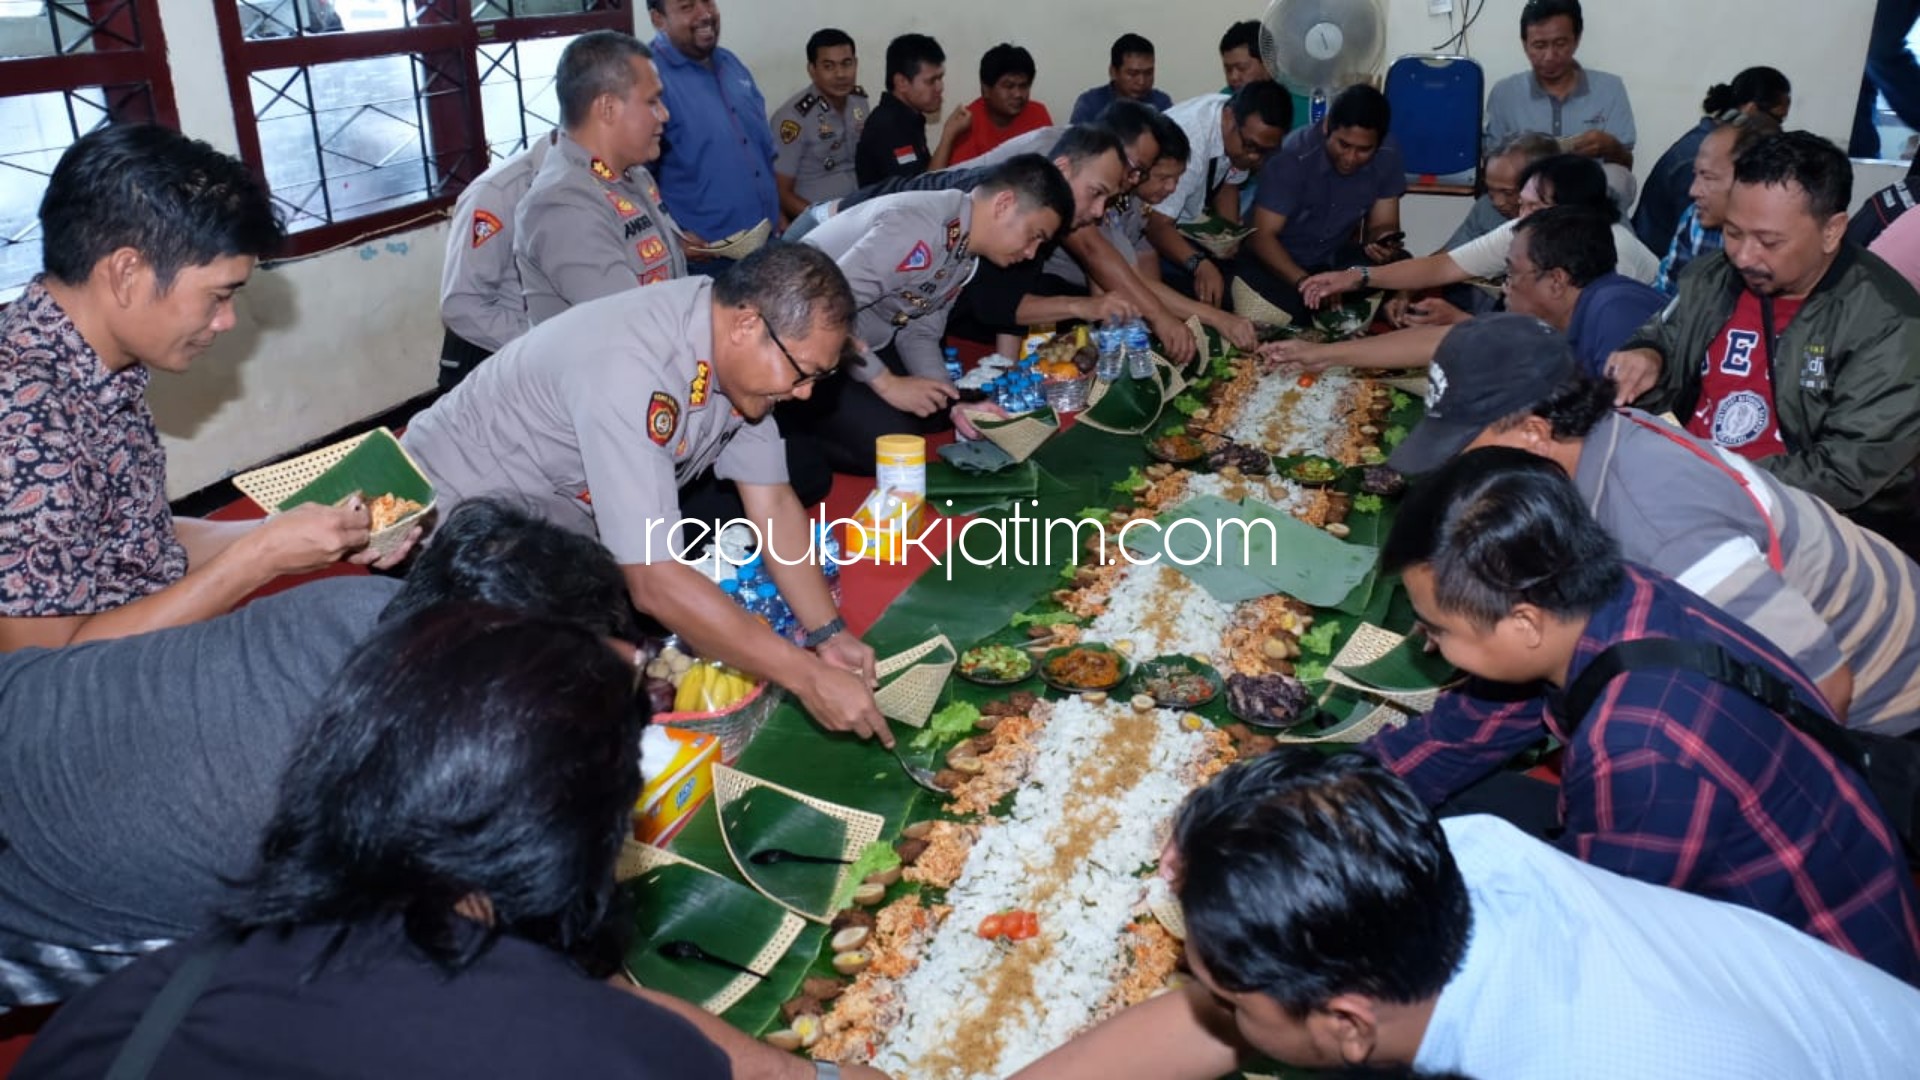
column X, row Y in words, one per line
column 311, row 477
column 740, row 244
column 1367, row 644
column 637, row 858
column 862, row 828
column 1020, row 436
column 922, row 675
column 1353, row 731
column 1248, row 303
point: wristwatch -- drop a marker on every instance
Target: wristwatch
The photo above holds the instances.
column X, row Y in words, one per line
column 1193, row 262
column 826, row 1070
column 1366, row 274
column 817, row 638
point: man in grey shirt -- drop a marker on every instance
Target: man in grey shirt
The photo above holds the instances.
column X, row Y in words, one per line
column 482, row 304
column 137, row 775
column 1586, row 110
column 1836, row 598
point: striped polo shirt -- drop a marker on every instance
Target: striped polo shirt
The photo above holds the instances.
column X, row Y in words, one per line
column 1700, row 516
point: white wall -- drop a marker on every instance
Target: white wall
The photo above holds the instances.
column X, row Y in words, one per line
column 331, row 340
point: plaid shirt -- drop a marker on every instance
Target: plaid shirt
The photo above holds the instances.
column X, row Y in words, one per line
column 1690, row 241
column 1678, row 780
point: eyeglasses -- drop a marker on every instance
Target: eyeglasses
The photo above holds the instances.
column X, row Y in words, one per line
column 802, row 376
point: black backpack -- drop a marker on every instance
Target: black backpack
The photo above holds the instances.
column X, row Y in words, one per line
column 1890, row 765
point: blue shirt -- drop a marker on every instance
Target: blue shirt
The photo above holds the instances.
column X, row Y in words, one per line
column 1690, row 241
column 1324, row 209
column 1576, row 972
column 1664, row 194
column 716, row 173
column 1610, row 309
column 1088, row 106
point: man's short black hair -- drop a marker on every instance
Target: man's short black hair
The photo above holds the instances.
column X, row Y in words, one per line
column 1172, row 138
column 1573, row 180
column 1360, row 106
column 1128, row 120
column 1575, row 239
column 1572, row 410
column 1037, row 183
column 1499, row 527
column 1242, row 35
column 1804, row 160
column 790, row 285
column 908, row 53
column 1530, row 145
column 1003, row 60
column 1305, row 876
column 1539, row 11
column 595, row 63
column 1266, row 99
column 490, row 552
column 1082, row 143
column 1128, row 44
column 828, row 38
column 175, row 200
column 1764, row 88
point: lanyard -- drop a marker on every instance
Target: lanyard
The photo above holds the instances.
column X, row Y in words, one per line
column 1774, row 558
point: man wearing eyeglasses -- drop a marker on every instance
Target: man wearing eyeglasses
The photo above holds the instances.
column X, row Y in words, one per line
column 598, row 417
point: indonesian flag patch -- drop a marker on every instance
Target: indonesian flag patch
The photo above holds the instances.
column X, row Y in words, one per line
column 485, row 227
column 906, row 155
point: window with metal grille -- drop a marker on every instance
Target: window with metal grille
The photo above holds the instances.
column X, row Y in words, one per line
column 366, row 116
column 69, row 67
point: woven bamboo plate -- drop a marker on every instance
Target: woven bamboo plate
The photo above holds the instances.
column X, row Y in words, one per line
column 1367, row 644
column 370, row 464
column 1352, row 731
column 911, row 681
column 1167, row 379
column 1020, row 436
column 710, row 921
column 740, row 244
column 1165, row 908
column 1248, row 303
column 815, row 825
column 1219, row 243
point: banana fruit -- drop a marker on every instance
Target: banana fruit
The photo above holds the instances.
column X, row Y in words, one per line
column 706, row 687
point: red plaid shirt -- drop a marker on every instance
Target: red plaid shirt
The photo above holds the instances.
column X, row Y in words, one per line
column 1676, row 779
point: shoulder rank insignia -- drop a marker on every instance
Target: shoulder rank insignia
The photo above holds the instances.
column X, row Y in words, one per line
column 652, row 250
column 621, row 204
column 485, row 227
column 663, row 417
column 805, row 105
column 604, row 171
column 919, row 258
column 953, row 234
column 789, row 130
column 701, row 386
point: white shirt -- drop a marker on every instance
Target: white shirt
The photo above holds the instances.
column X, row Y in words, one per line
column 1486, row 256
column 1577, row 972
column 1200, row 119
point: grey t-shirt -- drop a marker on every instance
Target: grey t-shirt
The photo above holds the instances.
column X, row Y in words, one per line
column 136, row 773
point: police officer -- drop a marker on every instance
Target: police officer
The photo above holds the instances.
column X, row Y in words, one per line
column 907, row 257
column 816, row 130
column 591, row 224
column 595, row 419
column 482, row 305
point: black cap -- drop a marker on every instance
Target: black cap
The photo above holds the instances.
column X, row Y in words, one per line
column 1486, row 369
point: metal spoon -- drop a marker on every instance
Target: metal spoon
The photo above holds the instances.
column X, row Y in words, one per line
column 680, row 949
column 915, row 773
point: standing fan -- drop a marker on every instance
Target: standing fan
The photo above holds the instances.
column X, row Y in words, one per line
column 1317, row 47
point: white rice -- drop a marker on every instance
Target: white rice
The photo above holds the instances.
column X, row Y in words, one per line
column 1144, row 590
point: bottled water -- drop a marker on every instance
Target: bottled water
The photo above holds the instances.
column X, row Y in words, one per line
column 1139, row 351
column 774, row 609
column 829, row 555
column 953, row 364
column 1113, row 352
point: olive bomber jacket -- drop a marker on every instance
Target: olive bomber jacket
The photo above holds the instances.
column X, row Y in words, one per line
column 1845, row 374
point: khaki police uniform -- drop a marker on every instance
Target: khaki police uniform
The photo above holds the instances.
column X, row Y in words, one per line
column 907, row 257
column 595, row 418
column 814, row 143
column 583, row 232
column 481, row 303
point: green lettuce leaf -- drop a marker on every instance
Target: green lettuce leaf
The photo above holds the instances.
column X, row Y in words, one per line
column 1368, row 504
column 873, row 859
column 1319, row 640
column 955, row 720
column 1051, row 618
column 1133, row 481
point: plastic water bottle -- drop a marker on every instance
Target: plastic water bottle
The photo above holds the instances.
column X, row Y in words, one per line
column 829, row 555
column 1139, row 351
column 778, row 615
column 1113, row 352
column 1317, row 106
column 730, row 587
column 953, row 364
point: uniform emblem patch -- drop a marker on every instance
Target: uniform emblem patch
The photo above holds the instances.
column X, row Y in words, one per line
column 906, row 155
column 919, row 258
column 652, row 250
column 658, row 273
column 663, row 418
column 604, row 171
column 485, row 227
column 701, row 386
column 622, row 205
column 953, row 234
column 789, row 130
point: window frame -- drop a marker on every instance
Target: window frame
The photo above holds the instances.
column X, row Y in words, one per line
column 448, row 38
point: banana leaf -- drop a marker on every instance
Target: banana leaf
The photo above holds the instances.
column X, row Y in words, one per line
column 764, row 819
column 1299, row 560
column 1129, row 407
column 678, row 902
column 376, row 467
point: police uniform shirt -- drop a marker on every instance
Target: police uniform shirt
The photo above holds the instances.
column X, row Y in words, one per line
column 1124, row 226
column 595, row 418
column 480, row 295
column 583, row 232
column 814, row 143
column 907, row 257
